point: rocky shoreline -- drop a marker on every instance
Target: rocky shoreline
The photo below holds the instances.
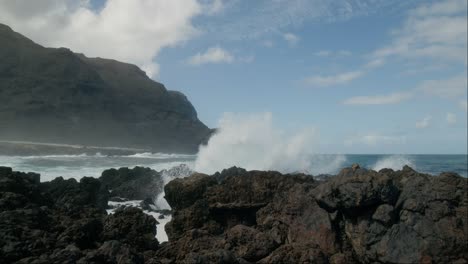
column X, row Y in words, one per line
column 237, row 216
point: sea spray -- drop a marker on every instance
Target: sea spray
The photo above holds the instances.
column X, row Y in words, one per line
column 254, row 143
column 395, row 162
column 180, row 171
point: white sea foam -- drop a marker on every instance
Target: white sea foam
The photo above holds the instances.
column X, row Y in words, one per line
column 254, row 143
column 395, row 162
column 149, row 155
column 180, row 171
column 77, row 166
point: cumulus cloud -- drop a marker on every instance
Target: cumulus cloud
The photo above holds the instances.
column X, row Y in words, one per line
column 451, row 118
column 130, row 31
column 328, row 80
column 375, row 139
column 212, row 55
column 291, row 38
column 393, row 98
column 424, row 123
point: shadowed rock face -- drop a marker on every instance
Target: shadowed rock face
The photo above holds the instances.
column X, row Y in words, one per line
column 57, row 96
column 64, row 221
column 134, row 184
column 358, row 216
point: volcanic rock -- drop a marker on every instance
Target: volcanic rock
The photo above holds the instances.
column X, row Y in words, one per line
column 134, row 184
column 64, row 221
column 357, row 216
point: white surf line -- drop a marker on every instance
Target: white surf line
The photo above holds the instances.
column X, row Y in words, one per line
column 71, row 146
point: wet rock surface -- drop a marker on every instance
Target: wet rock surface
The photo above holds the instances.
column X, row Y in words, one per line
column 133, row 184
column 64, row 221
column 357, row 216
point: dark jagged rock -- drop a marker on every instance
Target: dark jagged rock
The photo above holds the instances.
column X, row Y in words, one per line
column 130, row 225
column 64, row 221
column 57, row 96
column 134, row 184
column 238, row 216
column 183, row 192
column 70, row 193
column 358, row 216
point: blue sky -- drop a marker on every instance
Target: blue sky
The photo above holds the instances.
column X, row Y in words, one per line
column 371, row 76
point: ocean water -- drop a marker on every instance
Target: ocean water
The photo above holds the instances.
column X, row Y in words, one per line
column 77, row 166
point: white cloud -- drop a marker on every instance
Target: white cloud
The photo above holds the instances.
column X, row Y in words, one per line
column 255, row 19
column 394, row 98
column 375, row 63
column 445, row 88
column 130, row 31
column 212, row 55
column 424, row 123
column 291, row 38
column 464, row 105
column 375, row 139
column 453, row 87
column 436, row 30
column 441, row 8
column 451, row 118
column 342, row 78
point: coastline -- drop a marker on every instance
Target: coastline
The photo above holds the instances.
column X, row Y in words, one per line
column 239, row 216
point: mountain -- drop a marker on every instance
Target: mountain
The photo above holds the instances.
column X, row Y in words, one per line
column 58, row 96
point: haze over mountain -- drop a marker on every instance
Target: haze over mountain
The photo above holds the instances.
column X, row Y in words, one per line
column 57, row 96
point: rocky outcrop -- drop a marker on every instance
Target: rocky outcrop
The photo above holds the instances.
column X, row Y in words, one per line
column 64, row 221
column 357, row 216
column 134, row 184
column 239, row 216
column 57, row 96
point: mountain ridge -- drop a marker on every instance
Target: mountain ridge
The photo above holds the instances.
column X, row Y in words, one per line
column 58, row 96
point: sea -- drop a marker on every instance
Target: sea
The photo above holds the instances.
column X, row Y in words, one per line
column 77, row 166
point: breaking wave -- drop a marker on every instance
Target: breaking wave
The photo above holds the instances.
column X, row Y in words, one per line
column 394, row 162
column 254, row 143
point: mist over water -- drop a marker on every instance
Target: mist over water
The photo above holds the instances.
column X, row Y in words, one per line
column 395, row 162
column 253, row 142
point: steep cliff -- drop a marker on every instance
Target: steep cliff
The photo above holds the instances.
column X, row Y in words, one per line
column 57, row 96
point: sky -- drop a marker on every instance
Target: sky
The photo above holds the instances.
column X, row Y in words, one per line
column 368, row 76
